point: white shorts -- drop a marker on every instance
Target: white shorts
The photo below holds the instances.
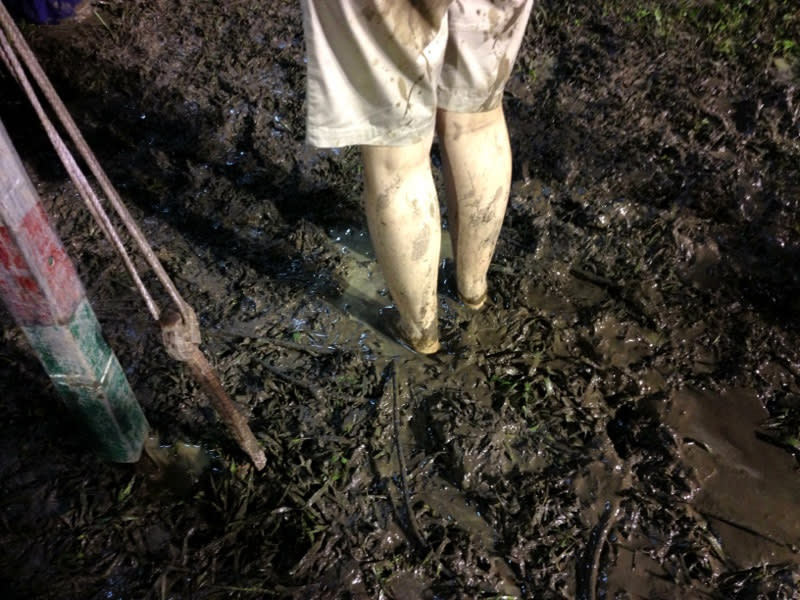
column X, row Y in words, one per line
column 379, row 69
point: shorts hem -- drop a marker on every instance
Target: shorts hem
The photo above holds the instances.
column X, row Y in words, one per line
column 320, row 137
column 458, row 101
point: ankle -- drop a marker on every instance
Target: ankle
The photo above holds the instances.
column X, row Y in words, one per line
column 424, row 340
column 474, row 302
column 473, row 296
column 421, row 340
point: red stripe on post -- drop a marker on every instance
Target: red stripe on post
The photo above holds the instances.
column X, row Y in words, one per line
column 38, row 281
column 17, row 287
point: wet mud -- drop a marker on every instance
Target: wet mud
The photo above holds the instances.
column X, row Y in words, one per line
column 622, row 421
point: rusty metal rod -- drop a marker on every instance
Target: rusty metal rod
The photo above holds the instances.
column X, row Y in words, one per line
column 233, row 419
column 181, row 337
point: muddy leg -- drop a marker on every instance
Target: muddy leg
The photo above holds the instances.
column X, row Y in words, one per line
column 477, row 166
column 403, row 219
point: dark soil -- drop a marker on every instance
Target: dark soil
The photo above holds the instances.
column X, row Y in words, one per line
column 623, row 422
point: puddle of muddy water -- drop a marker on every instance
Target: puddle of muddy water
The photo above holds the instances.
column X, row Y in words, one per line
column 744, row 490
column 743, row 495
column 746, row 487
column 366, row 287
column 365, row 293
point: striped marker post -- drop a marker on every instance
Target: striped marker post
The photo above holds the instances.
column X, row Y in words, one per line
column 41, row 290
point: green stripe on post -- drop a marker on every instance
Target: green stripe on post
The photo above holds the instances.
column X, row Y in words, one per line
column 91, row 381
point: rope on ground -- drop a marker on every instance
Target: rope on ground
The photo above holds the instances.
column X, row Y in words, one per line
column 180, row 330
column 401, row 461
column 589, row 567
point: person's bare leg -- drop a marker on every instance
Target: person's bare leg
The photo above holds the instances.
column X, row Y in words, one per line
column 476, row 156
column 404, row 226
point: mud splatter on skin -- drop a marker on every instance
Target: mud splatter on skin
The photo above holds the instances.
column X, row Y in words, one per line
column 386, row 196
column 419, row 247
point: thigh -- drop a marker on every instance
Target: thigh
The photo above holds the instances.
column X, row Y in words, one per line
column 372, row 70
column 482, row 46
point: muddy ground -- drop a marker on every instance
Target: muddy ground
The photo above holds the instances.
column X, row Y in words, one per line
column 624, row 422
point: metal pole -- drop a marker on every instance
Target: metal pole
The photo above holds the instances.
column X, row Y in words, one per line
column 40, row 288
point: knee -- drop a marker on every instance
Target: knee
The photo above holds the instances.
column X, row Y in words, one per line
column 381, row 162
column 452, row 124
